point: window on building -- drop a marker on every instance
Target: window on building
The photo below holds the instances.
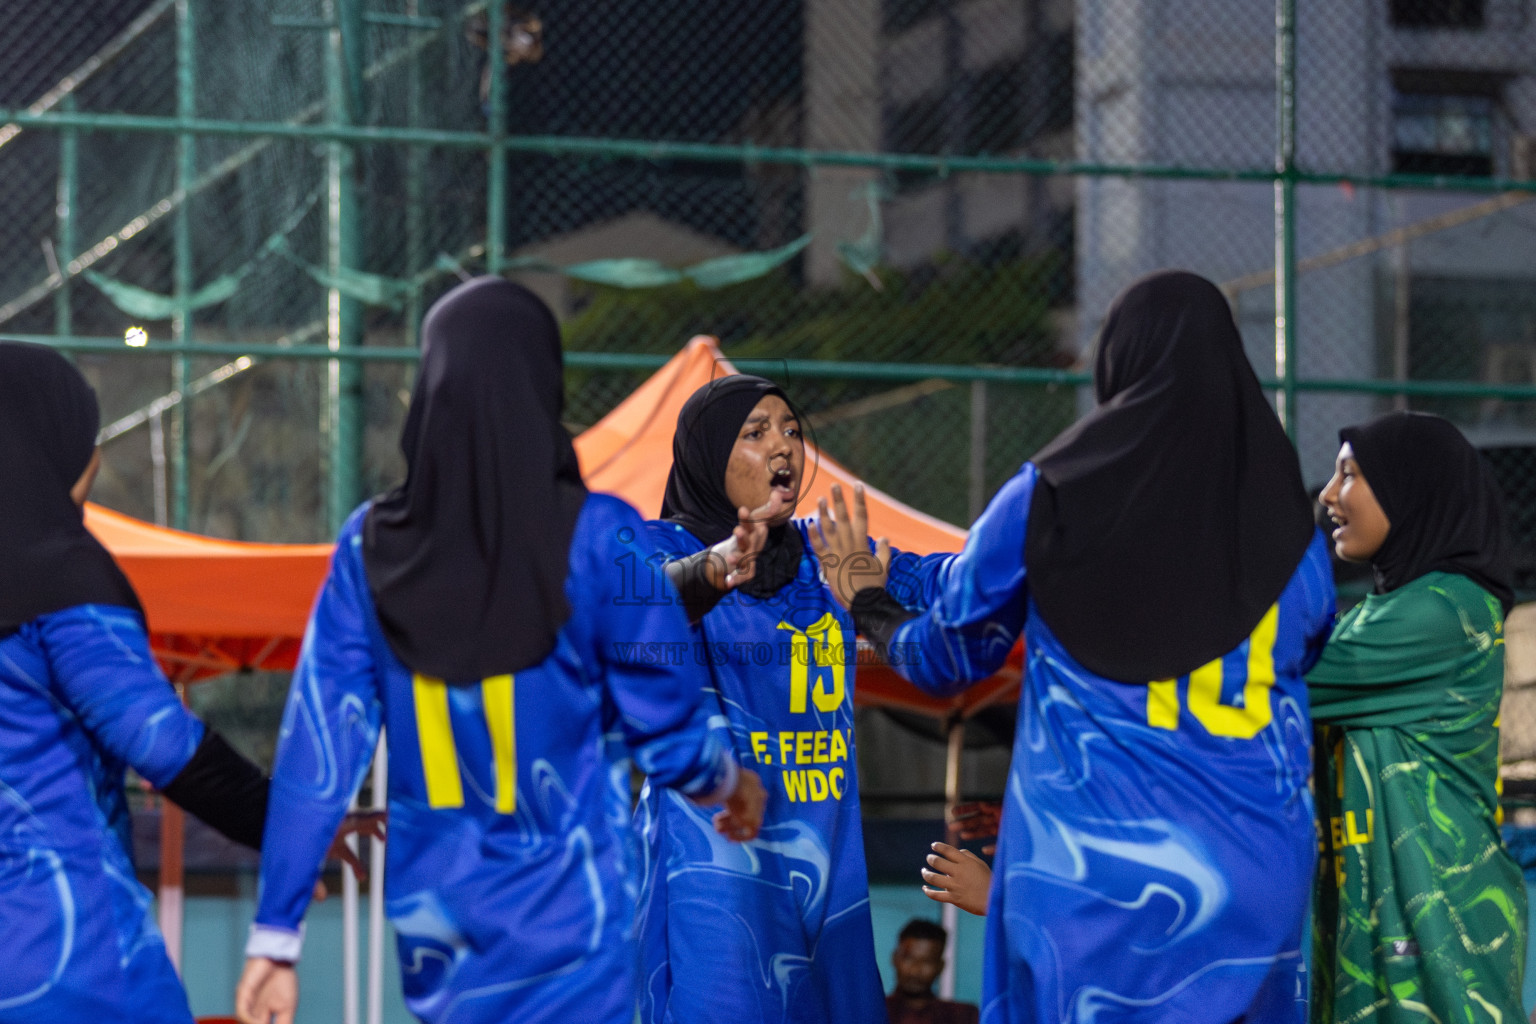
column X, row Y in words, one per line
column 996, row 124
column 1471, row 328
column 900, row 15
column 1052, row 66
column 1442, row 132
column 1437, row 13
column 1014, row 103
column 917, row 127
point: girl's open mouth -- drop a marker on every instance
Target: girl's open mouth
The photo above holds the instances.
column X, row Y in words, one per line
column 783, row 480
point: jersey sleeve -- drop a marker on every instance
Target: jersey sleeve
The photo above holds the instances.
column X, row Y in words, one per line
column 1320, row 600
column 650, row 659
column 1388, row 658
column 104, row 672
column 329, row 731
column 973, row 604
column 916, row 580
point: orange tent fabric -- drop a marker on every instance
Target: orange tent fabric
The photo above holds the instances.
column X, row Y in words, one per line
column 217, row 606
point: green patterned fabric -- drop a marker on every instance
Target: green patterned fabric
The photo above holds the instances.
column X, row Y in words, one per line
column 1420, row 912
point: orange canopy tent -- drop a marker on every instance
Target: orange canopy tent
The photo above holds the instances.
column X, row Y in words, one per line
column 217, row 606
column 629, row 451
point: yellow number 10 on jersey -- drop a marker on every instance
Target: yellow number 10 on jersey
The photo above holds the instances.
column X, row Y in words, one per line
column 440, row 755
column 1243, row 722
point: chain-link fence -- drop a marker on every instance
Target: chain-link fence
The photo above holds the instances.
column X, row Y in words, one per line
column 921, row 208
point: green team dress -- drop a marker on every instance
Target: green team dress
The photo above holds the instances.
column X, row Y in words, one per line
column 1420, row 912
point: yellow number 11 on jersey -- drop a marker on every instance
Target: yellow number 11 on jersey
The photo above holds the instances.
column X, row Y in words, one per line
column 440, row 755
column 1242, row 722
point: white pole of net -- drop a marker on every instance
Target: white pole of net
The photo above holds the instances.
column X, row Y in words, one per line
column 349, row 944
column 376, row 888
column 949, row 917
column 157, row 468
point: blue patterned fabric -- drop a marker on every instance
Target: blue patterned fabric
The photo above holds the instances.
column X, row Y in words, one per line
column 1157, row 841
column 509, row 862
column 1521, row 844
column 776, row 930
column 81, row 699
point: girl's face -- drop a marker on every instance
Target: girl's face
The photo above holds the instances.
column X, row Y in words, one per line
column 769, row 456
column 1362, row 525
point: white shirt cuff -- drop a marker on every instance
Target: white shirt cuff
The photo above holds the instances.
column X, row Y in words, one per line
column 278, row 944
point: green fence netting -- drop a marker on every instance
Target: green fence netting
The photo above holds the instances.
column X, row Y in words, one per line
column 956, row 186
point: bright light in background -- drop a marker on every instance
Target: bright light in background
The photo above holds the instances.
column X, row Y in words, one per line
column 135, row 337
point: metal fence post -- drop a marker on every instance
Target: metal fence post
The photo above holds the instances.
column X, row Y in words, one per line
column 1285, row 212
column 181, row 323
column 342, row 426
column 415, row 197
column 496, row 178
column 949, row 915
column 172, row 837
column 978, row 474
column 64, row 210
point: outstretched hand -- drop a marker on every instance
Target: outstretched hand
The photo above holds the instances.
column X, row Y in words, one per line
column 742, row 817
column 978, row 820
column 959, row 877
column 268, row 992
column 841, row 542
column 737, row 561
column 370, row 824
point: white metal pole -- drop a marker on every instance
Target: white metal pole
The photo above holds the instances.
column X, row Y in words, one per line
column 349, row 945
column 173, row 826
column 157, row 468
column 950, row 916
column 376, row 888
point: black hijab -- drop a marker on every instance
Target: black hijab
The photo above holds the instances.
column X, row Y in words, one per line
column 701, row 449
column 1446, row 511
column 467, row 559
column 1167, row 521
column 48, row 559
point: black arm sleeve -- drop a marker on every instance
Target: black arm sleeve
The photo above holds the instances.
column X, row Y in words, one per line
column 878, row 615
column 693, row 586
column 223, row 789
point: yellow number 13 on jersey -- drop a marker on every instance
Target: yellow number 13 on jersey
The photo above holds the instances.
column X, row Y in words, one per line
column 440, row 755
column 1242, row 722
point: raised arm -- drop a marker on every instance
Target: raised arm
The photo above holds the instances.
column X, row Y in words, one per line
column 1383, row 662
column 975, row 600
column 703, row 578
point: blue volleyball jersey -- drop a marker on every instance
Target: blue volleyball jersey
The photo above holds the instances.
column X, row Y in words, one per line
column 508, row 874
column 1157, row 841
column 81, row 699
column 775, row 930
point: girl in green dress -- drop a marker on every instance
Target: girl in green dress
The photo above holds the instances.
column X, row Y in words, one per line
column 1421, row 913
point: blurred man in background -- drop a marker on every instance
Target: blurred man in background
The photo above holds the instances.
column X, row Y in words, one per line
column 919, row 959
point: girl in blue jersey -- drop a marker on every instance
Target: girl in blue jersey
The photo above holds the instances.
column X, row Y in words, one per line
column 776, row 930
column 81, row 700
column 478, row 613
column 1157, row 839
